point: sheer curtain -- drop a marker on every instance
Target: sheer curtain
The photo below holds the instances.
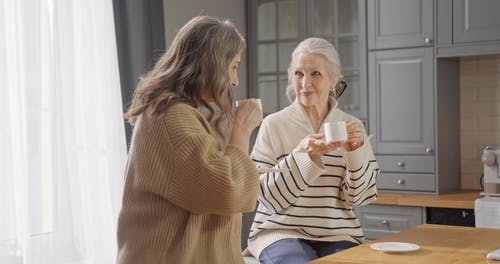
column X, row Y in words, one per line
column 62, row 139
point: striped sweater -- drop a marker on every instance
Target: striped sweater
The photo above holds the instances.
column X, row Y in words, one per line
column 184, row 196
column 303, row 200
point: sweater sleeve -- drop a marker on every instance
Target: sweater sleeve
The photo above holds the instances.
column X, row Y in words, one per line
column 176, row 157
column 207, row 180
column 282, row 187
column 359, row 186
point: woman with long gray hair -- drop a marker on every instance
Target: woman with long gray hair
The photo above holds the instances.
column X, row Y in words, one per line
column 188, row 176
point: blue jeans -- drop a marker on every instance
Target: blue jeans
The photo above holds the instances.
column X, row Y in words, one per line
column 299, row 251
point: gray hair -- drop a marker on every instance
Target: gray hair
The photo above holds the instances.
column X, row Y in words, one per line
column 318, row 46
column 198, row 59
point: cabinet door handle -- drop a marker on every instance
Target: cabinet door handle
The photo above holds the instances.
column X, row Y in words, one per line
column 428, row 150
column 401, row 181
column 401, row 164
column 385, row 222
column 428, row 40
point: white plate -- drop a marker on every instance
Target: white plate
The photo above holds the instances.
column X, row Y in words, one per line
column 394, row 246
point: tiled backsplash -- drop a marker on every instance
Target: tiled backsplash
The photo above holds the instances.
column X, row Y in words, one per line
column 479, row 113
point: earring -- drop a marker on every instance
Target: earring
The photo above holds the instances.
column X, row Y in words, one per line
column 332, row 92
column 340, row 88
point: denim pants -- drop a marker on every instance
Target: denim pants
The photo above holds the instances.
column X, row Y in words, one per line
column 299, row 251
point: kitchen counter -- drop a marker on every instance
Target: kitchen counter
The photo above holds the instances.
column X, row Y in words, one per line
column 438, row 244
column 463, row 199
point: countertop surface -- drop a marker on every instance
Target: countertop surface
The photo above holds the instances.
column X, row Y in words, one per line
column 463, row 199
column 441, row 244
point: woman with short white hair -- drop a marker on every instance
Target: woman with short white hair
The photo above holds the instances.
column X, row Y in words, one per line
column 306, row 206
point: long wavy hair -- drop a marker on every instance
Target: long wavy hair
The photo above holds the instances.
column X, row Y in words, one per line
column 196, row 63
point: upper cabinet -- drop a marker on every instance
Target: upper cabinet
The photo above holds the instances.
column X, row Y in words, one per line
column 413, row 99
column 387, row 30
column 277, row 26
column 476, row 20
column 466, row 27
column 402, row 101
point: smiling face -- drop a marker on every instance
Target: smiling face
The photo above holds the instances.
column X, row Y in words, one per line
column 313, row 78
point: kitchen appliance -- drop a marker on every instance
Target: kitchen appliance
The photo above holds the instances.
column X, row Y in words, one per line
column 491, row 171
column 487, row 209
column 487, row 212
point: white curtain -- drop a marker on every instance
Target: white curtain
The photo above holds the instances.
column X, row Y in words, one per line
column 62, row 139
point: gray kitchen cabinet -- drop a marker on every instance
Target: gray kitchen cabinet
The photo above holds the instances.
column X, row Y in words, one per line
column 411, row 182
column 414, row 118
column 383, row 220
column 467, row 27
column 413, row 99
column 275, row 28
column 401, row 101
column 476, row 20
column 406, row 172
column 400, row 23
column 406, row 163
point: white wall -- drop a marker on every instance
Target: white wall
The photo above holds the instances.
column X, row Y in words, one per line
column 179, row 12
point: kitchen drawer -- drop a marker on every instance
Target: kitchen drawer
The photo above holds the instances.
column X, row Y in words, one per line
column 393, row 163
column 406, row 181
column 381, row 220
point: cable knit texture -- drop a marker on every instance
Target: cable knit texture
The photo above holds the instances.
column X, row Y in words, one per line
column 184, row 196
column 303, row 200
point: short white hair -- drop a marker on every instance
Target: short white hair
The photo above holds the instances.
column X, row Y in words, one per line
column 318, row 46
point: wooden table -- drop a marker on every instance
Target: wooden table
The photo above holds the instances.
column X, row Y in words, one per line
column 440, row 244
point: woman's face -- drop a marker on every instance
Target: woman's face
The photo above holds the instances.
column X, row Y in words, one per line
column 233, row 77
column 233, row 70
column 312, row 78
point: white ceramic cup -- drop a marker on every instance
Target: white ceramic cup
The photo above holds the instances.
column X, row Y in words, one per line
column 259, row 101
column 335, row 131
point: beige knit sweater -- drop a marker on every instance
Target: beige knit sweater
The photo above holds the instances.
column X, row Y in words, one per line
column 183, row 195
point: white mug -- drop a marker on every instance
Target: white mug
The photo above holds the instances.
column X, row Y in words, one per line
column 259, row 102
column 335, row 131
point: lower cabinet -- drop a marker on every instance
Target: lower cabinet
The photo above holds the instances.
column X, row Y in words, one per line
column 406, row 173
column 382, row 220
column 406, row 181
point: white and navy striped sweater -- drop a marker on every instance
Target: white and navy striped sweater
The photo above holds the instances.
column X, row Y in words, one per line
column 303, row 200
